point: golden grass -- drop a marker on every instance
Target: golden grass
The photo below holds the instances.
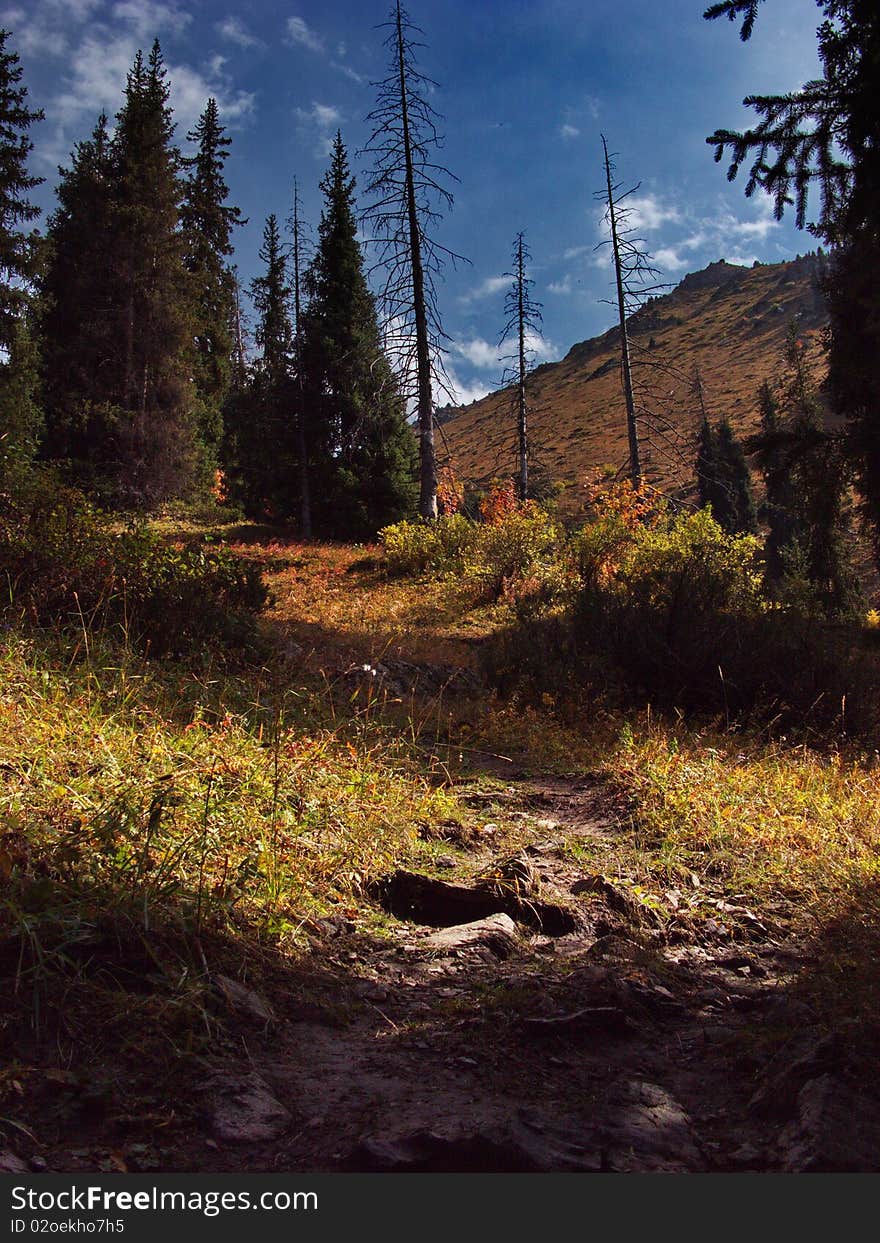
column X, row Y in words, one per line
column 766, row 818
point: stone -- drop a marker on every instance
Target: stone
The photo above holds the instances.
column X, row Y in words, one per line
column 496, row 933
column 649, row 1132
column 618, row 899
column 243, row 1000
column 12, row 1164
column 242, row 1109
column 806, row 1056
column 837, row 1130
column 524, row 1145
column 426, row 900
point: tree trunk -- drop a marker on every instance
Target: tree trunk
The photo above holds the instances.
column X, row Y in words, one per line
column 523, row 431
column 635, row 467
column 427, row 455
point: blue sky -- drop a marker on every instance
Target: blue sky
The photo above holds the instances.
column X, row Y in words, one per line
column 526, row 87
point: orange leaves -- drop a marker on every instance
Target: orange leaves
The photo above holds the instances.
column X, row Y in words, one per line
column 499, row 503
column 450, row 493
column 634, row 507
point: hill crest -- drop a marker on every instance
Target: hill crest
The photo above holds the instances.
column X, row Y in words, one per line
column 728, row 321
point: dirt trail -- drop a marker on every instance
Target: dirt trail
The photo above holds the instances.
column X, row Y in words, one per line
column 632, row 1043
column 650, row 1037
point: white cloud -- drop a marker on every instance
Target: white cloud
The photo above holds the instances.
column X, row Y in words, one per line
column 234, row 30
column 488, row 288
column 542, row 350
column 478, row 353
column 760, row 228
column 647, row 211
column 668, row 259
column 569, row 132
column 466, row 391
column 686, row 239
column 563, row 286
column 42, row 30
column 347, row 70
column 97, row 69
column 190, row 91
column 485, row 356
column 146, row 18
column 322, row 121
column 301, row 34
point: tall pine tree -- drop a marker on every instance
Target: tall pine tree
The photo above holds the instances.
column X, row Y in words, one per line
column 723, row 477
column 208, row 222
column 119, row 328
column 360, row 439
column 19, row 417
column 79, row 328
column 806, row 480
column 155, row 437
column 16, row 248
column 260, row 414
column 826, row 135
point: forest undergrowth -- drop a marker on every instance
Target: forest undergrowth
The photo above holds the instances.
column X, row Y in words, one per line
column 167, row 821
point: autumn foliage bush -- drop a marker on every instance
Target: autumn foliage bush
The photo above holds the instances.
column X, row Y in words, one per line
column 513, row 540
column 63, row 564
column 664, row 607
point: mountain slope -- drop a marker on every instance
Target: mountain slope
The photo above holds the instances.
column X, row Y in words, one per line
column 728, row 321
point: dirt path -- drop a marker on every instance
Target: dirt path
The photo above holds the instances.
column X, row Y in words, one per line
column 631, row 1043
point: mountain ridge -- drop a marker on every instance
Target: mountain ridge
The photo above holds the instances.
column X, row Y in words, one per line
column 728, row 321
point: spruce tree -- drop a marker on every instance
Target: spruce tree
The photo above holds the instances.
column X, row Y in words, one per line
column 738, row 515
column 16, row 247
column 117, row 320
column 302, row 432
column 208, row 222
column 807, row 482
column 271, row 295
column 707, row 471
column 826, row 134
column 19, row 414
column 365, row 449
column 79, row 297
column 723, row 477
column 155, row 436
column 779, row 509
column 260, row 414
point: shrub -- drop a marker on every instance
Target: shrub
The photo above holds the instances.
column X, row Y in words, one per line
column 513, row 546
column 63, row 564
column 673, row 614
column 493, row 554
column 442, row 547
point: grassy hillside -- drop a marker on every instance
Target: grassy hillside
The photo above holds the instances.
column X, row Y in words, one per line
column 729, row 321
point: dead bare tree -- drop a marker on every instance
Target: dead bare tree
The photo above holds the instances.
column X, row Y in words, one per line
column 523, row 325
column 409, row 194
column 633, row 276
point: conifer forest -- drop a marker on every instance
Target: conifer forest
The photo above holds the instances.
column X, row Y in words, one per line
column 426, row 747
